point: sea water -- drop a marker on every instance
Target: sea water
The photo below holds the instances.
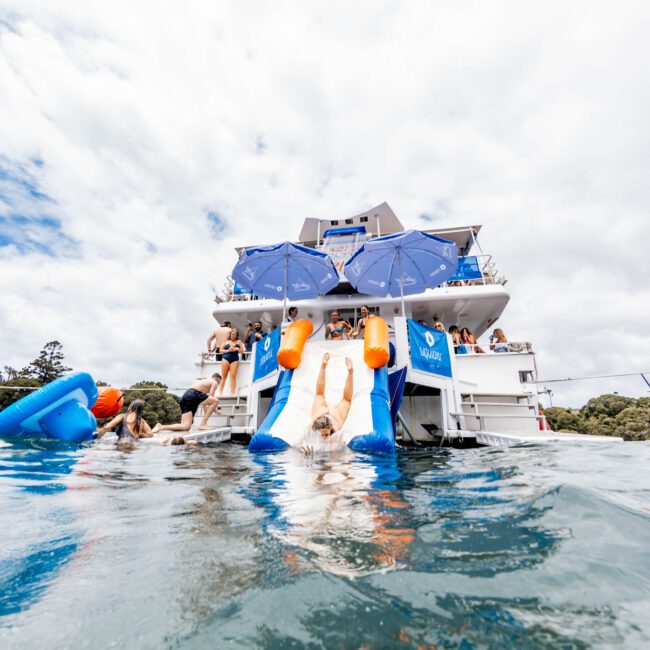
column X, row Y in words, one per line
column 542, row 546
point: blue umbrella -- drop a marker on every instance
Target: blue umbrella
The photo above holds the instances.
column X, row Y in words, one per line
column 285, row 270
column 402, row 264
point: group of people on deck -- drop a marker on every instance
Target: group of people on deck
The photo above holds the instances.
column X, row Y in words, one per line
column 465, row 342
column 338, row 329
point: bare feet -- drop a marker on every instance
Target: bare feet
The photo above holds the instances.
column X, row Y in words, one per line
column 326, row 358
column 348, row 363
column 205, row 427
column 156, row 428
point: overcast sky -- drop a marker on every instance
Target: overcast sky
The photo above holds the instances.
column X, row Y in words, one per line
column 141, row 141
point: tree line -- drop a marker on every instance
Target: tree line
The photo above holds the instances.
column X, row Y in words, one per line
column 160, row 406
column 606, row 415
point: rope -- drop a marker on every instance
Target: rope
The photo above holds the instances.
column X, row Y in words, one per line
column 122, row 389
column 623, row 374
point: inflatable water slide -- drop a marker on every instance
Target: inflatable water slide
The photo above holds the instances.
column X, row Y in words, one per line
column 368, row 426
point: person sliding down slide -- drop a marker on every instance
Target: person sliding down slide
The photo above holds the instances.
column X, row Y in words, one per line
column 326, row 422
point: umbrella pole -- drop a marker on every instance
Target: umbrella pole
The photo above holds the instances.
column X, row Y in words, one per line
column 401, row 282
column 286, row 289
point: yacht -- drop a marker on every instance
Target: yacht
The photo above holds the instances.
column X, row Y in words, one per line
column 491, row 395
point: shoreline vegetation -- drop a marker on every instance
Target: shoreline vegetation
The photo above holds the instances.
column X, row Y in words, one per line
column 605, row 415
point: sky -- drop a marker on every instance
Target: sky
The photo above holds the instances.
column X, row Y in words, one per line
column 141, row 142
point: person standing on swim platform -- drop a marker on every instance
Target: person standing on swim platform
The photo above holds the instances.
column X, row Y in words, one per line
column 199, row 394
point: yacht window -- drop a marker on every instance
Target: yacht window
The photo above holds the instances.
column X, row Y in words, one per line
column 334, row 223
column 349, row 221
column 363, row 219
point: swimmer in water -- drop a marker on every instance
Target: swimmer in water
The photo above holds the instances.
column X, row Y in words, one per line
column 337, row 328
column 178, row 440
column 326, row 422
column 130, row 425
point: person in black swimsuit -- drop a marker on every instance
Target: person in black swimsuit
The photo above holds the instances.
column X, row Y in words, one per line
column 200, row 393
column 130, row 425
column 230, row 352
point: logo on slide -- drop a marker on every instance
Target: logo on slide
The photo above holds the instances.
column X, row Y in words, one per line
column 430, row 340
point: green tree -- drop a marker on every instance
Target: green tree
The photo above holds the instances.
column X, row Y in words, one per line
column 606, row 406
column 633, row 423
column 159, row 405
column 562, row 419
column 8, row 397
column 49, row 366
column 11, row 373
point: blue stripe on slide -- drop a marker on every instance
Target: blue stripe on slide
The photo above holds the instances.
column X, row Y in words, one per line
column 381, row 438
column 264, row 440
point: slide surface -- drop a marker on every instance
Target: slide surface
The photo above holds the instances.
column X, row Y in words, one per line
column 368, row 425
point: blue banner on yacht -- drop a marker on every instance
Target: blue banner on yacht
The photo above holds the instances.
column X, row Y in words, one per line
column 266, row 355
column 468, row 269
column 429, row 349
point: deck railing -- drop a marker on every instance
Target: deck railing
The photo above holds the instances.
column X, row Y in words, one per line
column 511, row 347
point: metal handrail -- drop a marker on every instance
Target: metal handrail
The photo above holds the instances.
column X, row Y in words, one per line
column 513, row 347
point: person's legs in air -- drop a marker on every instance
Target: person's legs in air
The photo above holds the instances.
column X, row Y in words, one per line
column 343, row 407
column 320, row 405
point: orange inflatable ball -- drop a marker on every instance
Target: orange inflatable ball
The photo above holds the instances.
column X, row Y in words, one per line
column 109, row 402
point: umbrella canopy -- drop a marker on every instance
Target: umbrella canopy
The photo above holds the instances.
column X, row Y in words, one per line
column 284, row 271
column 402, row 264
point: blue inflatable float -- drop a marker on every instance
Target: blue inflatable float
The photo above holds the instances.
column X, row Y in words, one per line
column 58, row 410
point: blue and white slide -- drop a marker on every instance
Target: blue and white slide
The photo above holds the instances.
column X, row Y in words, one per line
column 368, row 426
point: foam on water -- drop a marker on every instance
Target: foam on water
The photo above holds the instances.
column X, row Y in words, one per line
column 534, row 546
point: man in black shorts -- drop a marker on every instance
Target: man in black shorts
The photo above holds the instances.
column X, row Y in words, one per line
column 199, row 394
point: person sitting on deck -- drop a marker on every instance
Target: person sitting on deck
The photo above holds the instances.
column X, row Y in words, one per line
column 219, row 336
column 469, row 340
column 459, row 348
column 326, row 422
column 200, row 393
column 130, row 425
column 501, row 344
column 336, row 328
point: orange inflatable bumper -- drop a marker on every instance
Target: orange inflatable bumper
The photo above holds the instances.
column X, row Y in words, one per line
column 109, row 402
column 376, row 350
column 293, row 342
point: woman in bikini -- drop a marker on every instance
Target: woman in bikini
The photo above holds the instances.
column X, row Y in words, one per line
column 336, row 328
column 360, row 330
column 327, row 421
column 230, row 352
column 130, row 425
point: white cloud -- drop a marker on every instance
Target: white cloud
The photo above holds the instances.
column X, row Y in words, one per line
column 530, row 119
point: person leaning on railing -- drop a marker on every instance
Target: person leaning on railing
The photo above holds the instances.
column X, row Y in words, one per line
column 469, row 340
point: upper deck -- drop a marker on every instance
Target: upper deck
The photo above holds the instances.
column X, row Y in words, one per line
column 476, row 297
